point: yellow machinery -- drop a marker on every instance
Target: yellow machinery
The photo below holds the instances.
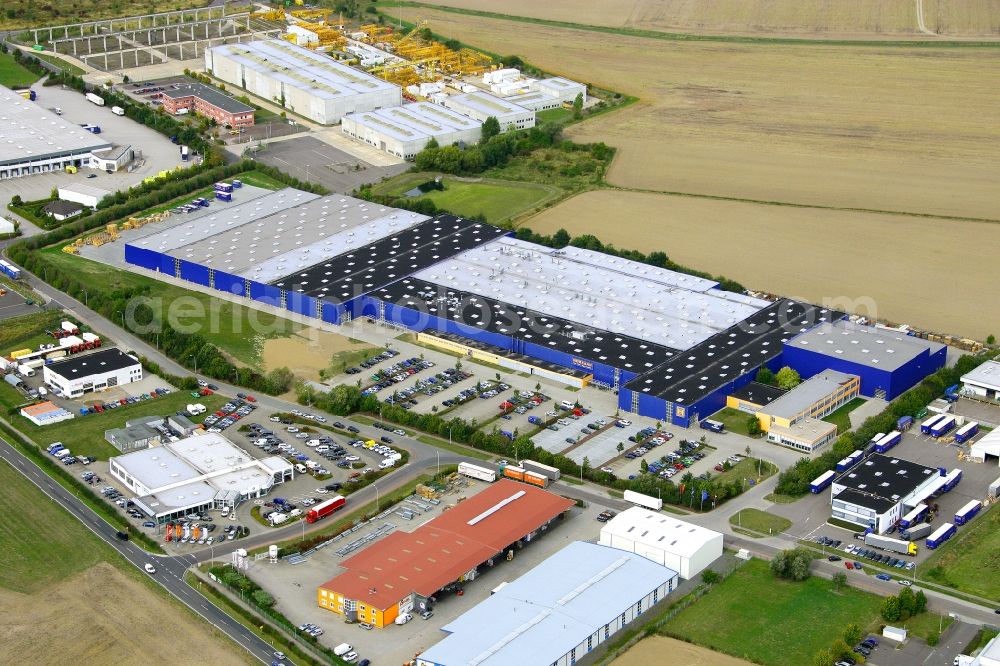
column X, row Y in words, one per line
column 310, row 13
column 270, row 15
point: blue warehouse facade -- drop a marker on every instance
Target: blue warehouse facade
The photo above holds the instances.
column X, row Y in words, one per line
column 672, row 346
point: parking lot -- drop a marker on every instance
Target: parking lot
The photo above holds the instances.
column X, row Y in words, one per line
column 157, row 151
column 308, row 158
column 12, row 304
column 294, row 586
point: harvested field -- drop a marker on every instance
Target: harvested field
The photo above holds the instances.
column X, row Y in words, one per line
column 104, row 616
column 808, row 19
column 308, row 351
column 898, row 263
column 653, row 650
column 898, row 129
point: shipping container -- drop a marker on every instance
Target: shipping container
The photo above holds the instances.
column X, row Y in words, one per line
column 890, row 544
column 942, row 534
column 967, row 432
column 223, row 187
column 844, row 464
column 223, row 196
column 714, row 426
column 822, row 481
column 184, row 153
column 917, row 531
column 325, row 508
column 931, row 421
column 903, row 423
column 943, row 426
column 967, row 512
column 512, row 472
column 477, row 472
column 914, row 516
column 888, row 441
column 10, row 270
column 951, row 480
column 654, row 503
column 539, row 468
column 534, row 479
column 96, row 99
column 237, row 184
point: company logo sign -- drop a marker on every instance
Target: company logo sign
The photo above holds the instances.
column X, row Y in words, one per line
column 579, row 362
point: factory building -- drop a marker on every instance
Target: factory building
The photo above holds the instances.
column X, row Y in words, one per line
column 96, row 371
column 888, row 362
column 557, row 613
column 38, row 141
column 305, row 82
column 482, row 105
column 207, row 102
column 794, row 418
column 753, row 397
column 562, row 89
column 684, row 547
column 404, row 131
column 536, row 101
column 83, row 194
column 881, row 489
column 987, row 448
column 983, row 383
column 440, row 555
column 45, row 413
column 204, row 471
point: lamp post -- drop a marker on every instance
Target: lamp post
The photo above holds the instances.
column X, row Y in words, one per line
column 376, row 498
column 195, row 357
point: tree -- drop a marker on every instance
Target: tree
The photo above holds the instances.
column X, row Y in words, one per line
column 561, row 238
column 823, row 658
column 932, row 638
column 578, row 106
column 852, row 633
column 765, row 376
column 263, row 599
column 491, row 128
column 620, row 447
column 991, row 339
column 907, row 603
column 839, row 581
column 793, row 564
column 890, row 609
column 919, row 602
column 709, row 577
column 787, row 378
column 753, row 426
column 643, row 466
column 799, row 568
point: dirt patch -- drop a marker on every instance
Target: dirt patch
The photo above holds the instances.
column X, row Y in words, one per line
column 103, row 616
column 307, row 352
column 897, row 129
column 655, row 650
column 897, row 264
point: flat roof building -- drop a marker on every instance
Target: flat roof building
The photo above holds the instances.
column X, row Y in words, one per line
column 35, row 140
column 94, row 371
column 305, row 82
column 795, row 417
column 879, row 490
column 684, row 547
column 987, row 448
column 482, row 105
column 983, row 382
column 45, row 413
column 403, row 571
column 562, row 89
column 536, row 101
column 404, row 131
column 84, row 195
column 557, row 612
column 888, row 362
column 209, row 102
column 806, row 435
column 753, row 397
column 200, row 472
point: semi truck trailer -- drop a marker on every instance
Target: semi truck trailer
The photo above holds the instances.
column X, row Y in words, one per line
column 890, row 544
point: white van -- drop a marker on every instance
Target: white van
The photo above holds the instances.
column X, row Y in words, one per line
column 295, row 512
column 342, row 649
column 403, row 618
column 566, row 404
column 312, row 443
column 386, row 464
column 300, row 468
column 311, row 464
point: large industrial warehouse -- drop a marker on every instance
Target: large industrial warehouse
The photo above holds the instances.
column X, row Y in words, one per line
column 482, row 105
column 684, row 547
column 674, row 346
column 556, row 613
column 378, row 584
column 34, row 140
column 404, row 131
column 304, row 82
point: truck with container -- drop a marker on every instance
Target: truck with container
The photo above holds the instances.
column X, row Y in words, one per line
column 714, row 426
column 93, row 340
column 647, row 501
column 951, row 480
column 888, row 441
column 513, row 472
column 968, row 512
column 913, row 517
column 943, row 427
column 28, row 94
column 237, row 184
column 118, row 111
column 95, row 99
column 223, row 187
column 904, row 423
column 25, row 370
column 850, row 461
column 325, row 508
column 223, row 196
column 536, row 479
column 967, row 432
column 70, row 328
column 916, row 531
column 930, row 422
column 538, row 468
column 822, row 481
column 477, row 472
column 277, row 517
column 10, row 270
column 890, row 544
column 941, row 535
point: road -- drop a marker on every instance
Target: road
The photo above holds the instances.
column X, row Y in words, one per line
column 169, row 570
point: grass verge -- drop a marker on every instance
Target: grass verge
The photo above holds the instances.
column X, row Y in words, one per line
column 759, row 521
column 970, row 561
column 734, row 420
column 458, row 449
column 13, row 75
column 746, row 470
column 842, row 416
column 65, row 66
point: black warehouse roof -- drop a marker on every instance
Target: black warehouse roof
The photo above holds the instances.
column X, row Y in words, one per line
column 883, row 477
column 110, row 359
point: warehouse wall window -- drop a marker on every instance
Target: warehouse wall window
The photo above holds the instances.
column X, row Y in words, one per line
column 607, row 631
column 638, row 607
column 623, row 619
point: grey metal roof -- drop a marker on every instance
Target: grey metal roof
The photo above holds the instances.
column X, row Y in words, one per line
column 209, row 94
column 987, row 374
column 545, row 613
column 418, row 122
column 86, row 190
column 808, row 393
column 867, row 345
column 30, row 132
column 490, row 105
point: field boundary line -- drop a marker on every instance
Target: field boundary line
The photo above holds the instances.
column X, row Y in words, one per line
column 689, row 37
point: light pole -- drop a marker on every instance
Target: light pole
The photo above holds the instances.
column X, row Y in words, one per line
column 195, row 357
column 376, row 498
column 439, row 462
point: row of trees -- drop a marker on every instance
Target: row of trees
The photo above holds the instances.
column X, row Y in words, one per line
column 795, row 480
column 345, row 399
column 904, row 605
column 841, row 648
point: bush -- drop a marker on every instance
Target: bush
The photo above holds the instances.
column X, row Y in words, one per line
column 792, row 564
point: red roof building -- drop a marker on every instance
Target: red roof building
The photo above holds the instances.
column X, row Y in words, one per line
column 403, row 570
